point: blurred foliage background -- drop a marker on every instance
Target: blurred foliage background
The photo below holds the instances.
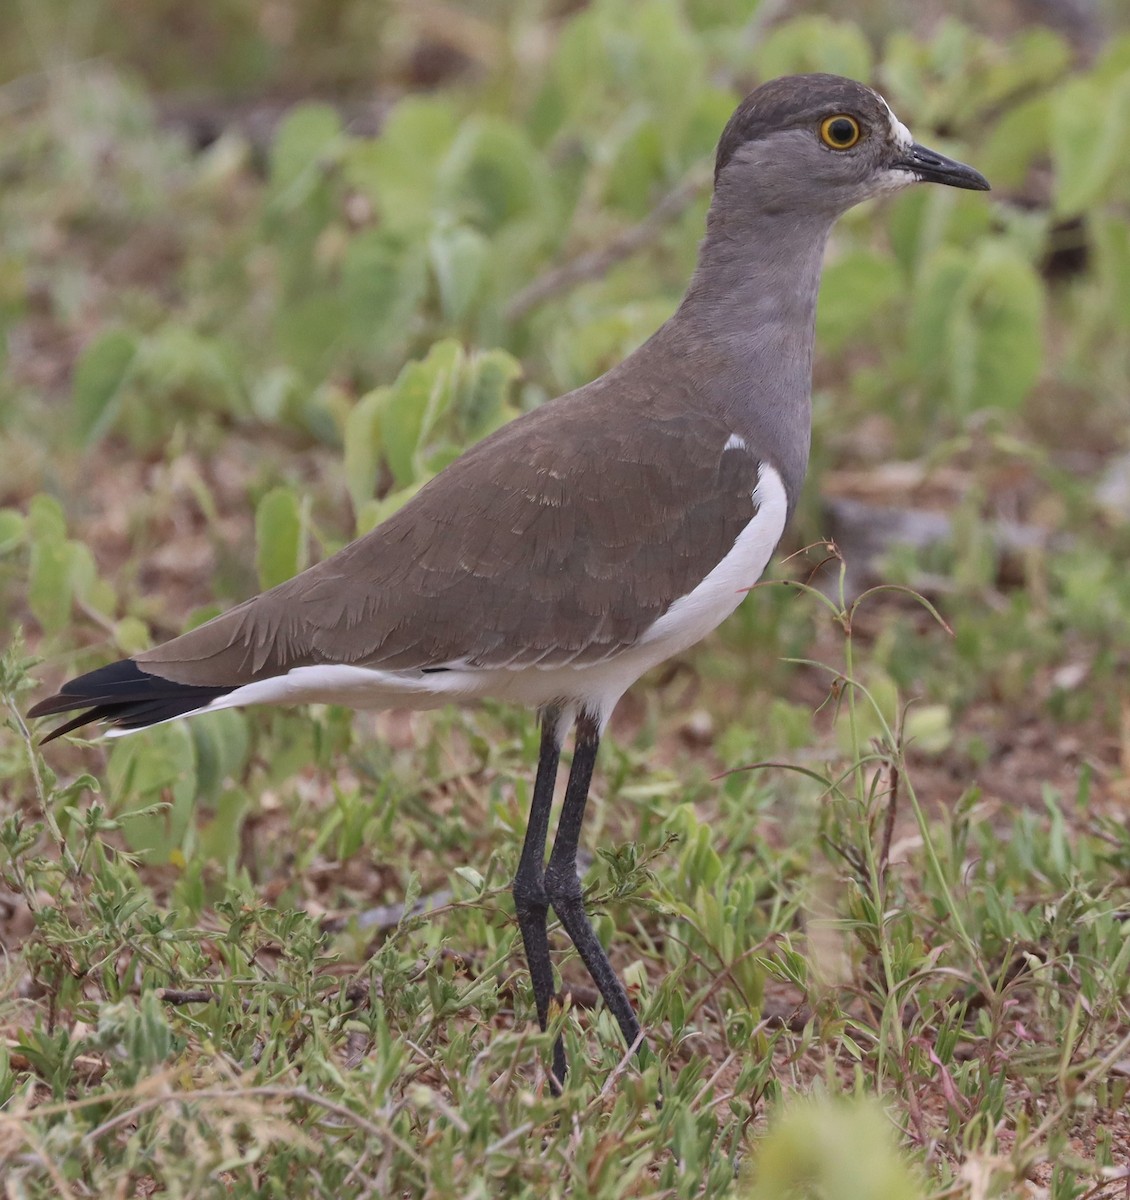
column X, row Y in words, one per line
column 267, row 267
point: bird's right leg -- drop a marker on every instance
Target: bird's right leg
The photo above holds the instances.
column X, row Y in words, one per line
column 563, row 883
column 530, row 900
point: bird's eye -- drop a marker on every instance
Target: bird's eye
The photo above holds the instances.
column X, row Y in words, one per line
column 840, row 132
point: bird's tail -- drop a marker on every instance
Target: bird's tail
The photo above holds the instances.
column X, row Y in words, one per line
column 125, row 696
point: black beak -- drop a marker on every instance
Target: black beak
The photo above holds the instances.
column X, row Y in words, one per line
column 932, row 167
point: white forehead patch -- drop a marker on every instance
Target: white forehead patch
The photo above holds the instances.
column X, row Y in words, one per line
column 900, row 135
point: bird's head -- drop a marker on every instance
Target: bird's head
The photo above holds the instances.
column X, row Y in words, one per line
column 820, row 144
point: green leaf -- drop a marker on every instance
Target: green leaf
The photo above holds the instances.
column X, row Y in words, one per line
column 708, row 116
column 1006, row 299
column 49, row 589
column 101, row 371
column 131, row 635
column 910, row 230
column 731, row 14
column 977, row 326
column 828, row 1147
column 45, row 518
column 279, row 537
column 593, row 346
column 219, row 838
column 277, row 395
column 371, row 514
column 935, row 299
column 616, row 56
column 459, row 258
column 362, row 447
column 1018, row 140
column 1089, row 140
column 482, row 393
column 926, row 218
column 384, row 277
column 59, row 568
column 13, row 526
column 398, row 170
column 159, row 768
column 309, row 330
column 855, row 289
column 221, row 743
column 180, row 365
column 422, row 391
column 929, row 727
column 814, row 44
column 1112, row 262
column 307, row 140
column 494, row 173
column 1038, row 58
column 139, row 768
column 638, row 168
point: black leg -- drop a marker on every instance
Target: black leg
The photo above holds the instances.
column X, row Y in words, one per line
column 530, row 900
column 563, row 887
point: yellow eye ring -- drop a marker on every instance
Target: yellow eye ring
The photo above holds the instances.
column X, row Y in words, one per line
column 840, row 132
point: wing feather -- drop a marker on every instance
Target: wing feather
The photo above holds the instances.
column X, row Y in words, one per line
column 559, row 539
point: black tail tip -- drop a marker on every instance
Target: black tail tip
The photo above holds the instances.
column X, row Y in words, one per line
column 124, row 695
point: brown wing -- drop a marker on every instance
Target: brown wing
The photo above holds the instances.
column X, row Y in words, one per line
column 561, row 538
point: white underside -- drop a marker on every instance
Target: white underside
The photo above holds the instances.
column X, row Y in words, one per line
column 596, row 687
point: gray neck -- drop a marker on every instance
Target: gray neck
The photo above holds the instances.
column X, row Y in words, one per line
column 748, row 319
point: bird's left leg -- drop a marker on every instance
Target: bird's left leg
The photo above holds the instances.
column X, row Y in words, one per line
column 563, row 886
column 531, row 904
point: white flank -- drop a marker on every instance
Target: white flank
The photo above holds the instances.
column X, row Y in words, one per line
column 734, row 442
column 694, row 615
column 595, row 686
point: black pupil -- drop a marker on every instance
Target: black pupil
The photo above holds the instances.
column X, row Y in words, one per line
column 842, row 131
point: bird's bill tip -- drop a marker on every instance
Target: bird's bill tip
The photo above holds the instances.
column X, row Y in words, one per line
column 931, row 167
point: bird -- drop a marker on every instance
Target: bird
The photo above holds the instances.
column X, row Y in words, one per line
column 591, row 538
